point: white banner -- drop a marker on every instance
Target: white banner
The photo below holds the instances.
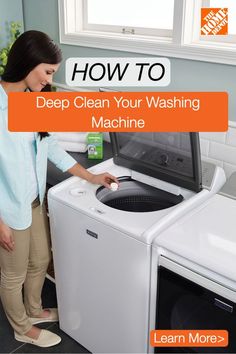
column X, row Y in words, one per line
column 118, row 72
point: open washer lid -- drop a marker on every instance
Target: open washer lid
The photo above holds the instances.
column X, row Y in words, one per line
column 171, row 157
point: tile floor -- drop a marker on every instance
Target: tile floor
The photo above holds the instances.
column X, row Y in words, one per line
column 9, row 345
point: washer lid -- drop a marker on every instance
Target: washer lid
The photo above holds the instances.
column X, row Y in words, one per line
column 171, row 157
column 205, row 236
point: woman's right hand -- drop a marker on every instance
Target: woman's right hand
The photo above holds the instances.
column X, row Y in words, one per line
column 6, row 237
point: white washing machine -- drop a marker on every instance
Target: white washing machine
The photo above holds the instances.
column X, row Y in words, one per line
column 102, row 239
column 194, row 272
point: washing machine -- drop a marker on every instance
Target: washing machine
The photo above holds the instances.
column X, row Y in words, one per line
column 101, row 239
column 194, row 272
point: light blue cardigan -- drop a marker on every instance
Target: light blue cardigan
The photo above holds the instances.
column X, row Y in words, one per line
column 15, row 203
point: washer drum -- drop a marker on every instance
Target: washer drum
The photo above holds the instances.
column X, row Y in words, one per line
column 137, row 197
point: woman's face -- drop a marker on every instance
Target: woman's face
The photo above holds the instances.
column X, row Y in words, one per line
column 41, row 76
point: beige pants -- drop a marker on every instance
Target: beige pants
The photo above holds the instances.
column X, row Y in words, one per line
column 25, row 265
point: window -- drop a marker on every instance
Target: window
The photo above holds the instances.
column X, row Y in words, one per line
column 130, row 16
column 231, row 5
column 164, row 28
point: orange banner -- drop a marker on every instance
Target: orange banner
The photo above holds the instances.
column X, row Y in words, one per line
column 118, row 111
column 189, row 338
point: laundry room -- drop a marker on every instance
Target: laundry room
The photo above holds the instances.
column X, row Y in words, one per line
column 118, row 241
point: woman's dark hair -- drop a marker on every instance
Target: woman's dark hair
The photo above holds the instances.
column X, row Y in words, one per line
column 47, row 88
column 29, row 50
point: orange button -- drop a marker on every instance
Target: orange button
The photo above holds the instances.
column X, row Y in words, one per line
column 189, row 338
column 119, row 111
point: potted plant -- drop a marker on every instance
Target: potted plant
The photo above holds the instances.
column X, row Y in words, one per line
column 14, row 32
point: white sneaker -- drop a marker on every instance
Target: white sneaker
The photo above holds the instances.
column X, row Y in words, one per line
column 45, row 339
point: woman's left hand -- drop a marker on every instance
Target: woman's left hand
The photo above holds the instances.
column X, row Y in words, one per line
column 103, row 178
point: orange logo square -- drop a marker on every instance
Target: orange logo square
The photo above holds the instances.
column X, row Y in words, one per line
column 214, row 21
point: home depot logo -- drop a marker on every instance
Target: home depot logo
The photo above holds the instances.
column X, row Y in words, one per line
column 214, row 21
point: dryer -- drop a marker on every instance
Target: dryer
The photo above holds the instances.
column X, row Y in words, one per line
column 102, row 239
column 194, row 272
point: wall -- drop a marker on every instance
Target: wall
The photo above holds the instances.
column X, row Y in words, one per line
column 10, row 10
column 187, row 75
column 220, row 148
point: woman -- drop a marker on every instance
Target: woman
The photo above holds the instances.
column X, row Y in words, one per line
column 24, row 236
